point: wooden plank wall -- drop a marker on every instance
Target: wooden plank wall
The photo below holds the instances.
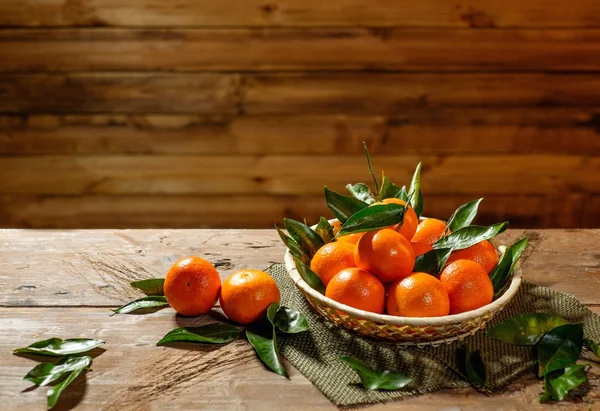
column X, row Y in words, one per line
column 235, row 113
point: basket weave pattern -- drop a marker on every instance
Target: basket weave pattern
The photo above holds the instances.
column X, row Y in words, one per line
column 404, row 330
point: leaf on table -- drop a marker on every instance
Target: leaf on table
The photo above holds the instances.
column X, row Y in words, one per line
column 464, row 215
column 342, row 207
column 151, row 286
column 414, row 192
column 376, row 380
column 432, row 262
column 373, row 218
column 292, row 245
column 286, row 319
column 468, row 236
column 155, row 301
column 559, row 347
column 474, row 367
column 54, row 392
column 57, row 347
column 309, row 276
column 593, row 346
column 216, row 333
column 266, row 350
column 325, row 230
column 45, row 373
column 389, row 189
column 504, row 269
column 362, row 192
column 525, row 329
column 559, row 383
column 305, row 236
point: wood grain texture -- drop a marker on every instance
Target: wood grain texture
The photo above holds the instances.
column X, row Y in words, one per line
column 294, row 175
column 275, row 13
column 314, row 49
column 63, row 272
column 262, row 211
column 419, row 132
column 290, row 93
column 132, row 373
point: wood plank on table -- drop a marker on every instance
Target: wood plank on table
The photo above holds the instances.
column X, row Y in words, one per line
column 216, row 13
column 284, row 93
column 95, row 267
column 421, row 132
column 261, row 211
column 298, row 49
column 293, row 175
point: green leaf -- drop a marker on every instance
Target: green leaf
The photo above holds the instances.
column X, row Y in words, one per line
column 402, row 194
column 464, row 215
column 45, row 373
column 293, row 246
column 286, row 320
column 325, row 230
column 414, row 192
column 152, row 286
column 154, row 301
column 475, row 368
column 54, row 392
column 308, row 240
column 560, row 347
column 468, row 236
column 388, row 189
column 503, row 271
column 559, row 383
column 309, row 276
column 376, row 380
column 374, row 217
column 593, row 346
column 267, row 351
column 56, row 347
column 525, row 329
column 362, row 192
column 371, row 167
column 343, row 206
column 216, row 333
column 432, row 262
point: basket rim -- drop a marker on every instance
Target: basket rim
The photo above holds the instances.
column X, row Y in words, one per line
column 495, row 305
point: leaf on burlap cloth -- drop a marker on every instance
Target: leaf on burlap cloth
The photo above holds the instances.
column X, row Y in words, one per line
column 316, row 353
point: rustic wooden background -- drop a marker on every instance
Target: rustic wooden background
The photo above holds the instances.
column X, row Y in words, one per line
column 190, row 113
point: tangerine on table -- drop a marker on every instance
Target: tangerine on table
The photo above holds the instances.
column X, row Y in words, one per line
column 332, row 258
column 428, row 232
column 386, row 254
column 483, row 253
column 418, row 295
column 469, row 286
column 357, row 288
column 246, row 295
column 192, row 286
column 411, row 221
column 348, row 238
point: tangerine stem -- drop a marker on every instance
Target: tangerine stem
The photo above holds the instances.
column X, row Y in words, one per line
column 371, row 171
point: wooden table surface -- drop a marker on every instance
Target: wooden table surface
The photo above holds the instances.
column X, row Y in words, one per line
column 61, row 284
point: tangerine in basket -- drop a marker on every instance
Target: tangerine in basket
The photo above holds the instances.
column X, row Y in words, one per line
column 411, row 221
column 428, row 232
column 469, row 286
column 246, row 295
column 357, row 288
column 385, row 253
column 348, row 238
column 192, row 286
column 332, row 258
column 483, row 253
column 418, row 295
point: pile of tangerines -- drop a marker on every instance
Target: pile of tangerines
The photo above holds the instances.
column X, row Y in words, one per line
column 360, row 269
column 192, row 287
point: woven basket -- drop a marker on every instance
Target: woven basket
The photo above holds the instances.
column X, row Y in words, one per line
column 404, row 330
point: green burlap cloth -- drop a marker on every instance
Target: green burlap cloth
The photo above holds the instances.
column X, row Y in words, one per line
column 316, row 353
